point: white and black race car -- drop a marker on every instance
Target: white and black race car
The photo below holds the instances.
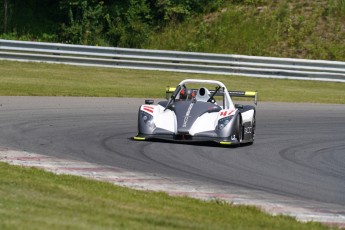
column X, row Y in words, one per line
column 194, row 112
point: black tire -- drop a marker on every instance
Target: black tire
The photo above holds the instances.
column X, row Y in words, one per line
column 239, row 130
column 253, row 128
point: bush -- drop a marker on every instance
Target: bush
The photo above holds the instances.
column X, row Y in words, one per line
column 85, row 23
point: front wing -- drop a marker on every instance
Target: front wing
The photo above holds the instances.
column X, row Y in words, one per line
column 186, row 139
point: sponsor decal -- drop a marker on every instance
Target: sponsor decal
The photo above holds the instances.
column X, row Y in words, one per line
column 225, row 113
column 148, row 108
column 248, row 130
column 185, row 120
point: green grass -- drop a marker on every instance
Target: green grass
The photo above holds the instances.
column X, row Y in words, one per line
column 37, row 79
column 288, row 28
column 35, row 199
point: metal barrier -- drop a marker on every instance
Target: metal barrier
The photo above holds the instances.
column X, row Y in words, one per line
column 193, row 62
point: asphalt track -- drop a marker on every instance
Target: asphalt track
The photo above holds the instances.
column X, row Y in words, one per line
column 299, row 151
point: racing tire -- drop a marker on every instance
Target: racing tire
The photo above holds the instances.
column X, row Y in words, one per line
column 253, row 129
column 239, row 130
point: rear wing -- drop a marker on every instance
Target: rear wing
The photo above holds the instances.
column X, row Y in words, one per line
column 248, row 94
column 168, row 91
column 251, row 94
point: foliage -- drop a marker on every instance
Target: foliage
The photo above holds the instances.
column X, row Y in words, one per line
column 84, row 22
column 29, row 17
column 288, row 28
column 336, row 7
column 249, row 2
column 128, row 23
column 93, row 22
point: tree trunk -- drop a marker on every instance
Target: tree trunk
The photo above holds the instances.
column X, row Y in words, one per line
column 5, row 15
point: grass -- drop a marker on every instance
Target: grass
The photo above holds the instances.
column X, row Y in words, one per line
column 38, row 79
column 35, row 199
column 288, row 28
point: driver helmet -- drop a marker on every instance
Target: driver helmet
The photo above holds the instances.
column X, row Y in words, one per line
column 187, row 94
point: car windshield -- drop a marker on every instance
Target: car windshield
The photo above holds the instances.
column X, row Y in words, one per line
column 200, row 92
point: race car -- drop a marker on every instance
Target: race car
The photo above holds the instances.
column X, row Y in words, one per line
column 198, row 110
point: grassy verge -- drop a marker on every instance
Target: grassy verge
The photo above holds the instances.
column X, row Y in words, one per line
column 287, row 28
column 33, row 79
column 35, row 199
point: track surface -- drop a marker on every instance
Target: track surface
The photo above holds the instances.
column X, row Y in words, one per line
column 299, row 150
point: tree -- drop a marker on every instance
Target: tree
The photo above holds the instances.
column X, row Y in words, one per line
column 128, row 23
column 5, row 14
column 85, row 21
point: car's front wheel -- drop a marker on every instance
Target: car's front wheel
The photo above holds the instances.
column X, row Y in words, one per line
column 239, row 130
column 253, row 127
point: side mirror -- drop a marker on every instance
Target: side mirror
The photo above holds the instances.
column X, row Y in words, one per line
column 238, row 106
column 149, row 102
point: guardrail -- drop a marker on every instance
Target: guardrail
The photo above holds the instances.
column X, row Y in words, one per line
column 241, row 65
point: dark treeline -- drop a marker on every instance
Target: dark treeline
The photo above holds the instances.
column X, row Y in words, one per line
column 125, row 23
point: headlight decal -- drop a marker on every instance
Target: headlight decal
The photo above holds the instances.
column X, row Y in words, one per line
column 224, row 121
column 147, row 118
